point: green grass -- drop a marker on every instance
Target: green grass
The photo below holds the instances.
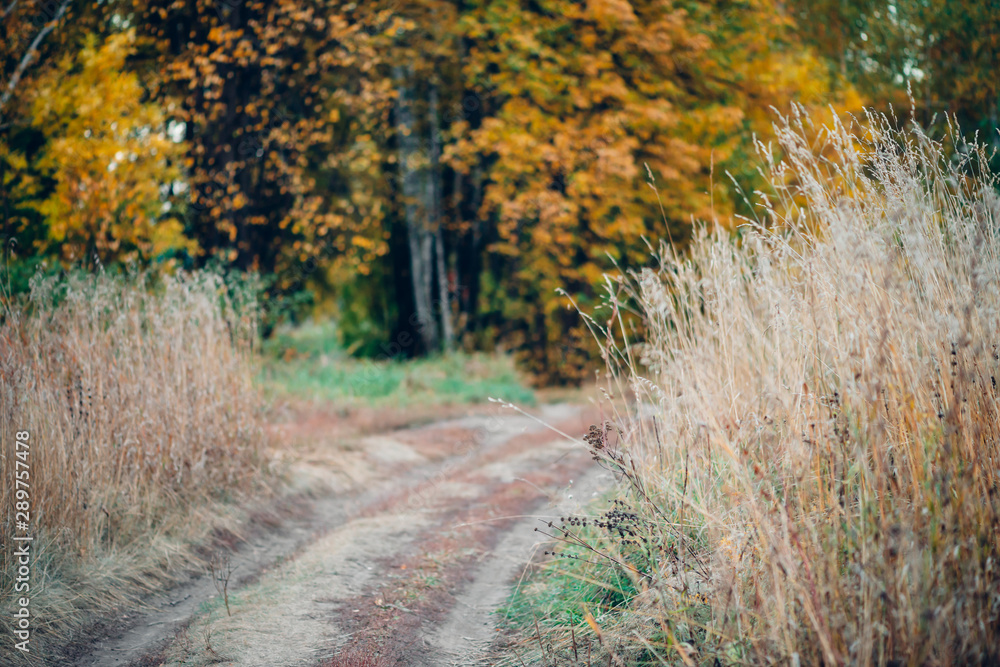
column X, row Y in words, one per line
column 558, row 595
column 557, row 592
column 556, row 598
column 307, row 362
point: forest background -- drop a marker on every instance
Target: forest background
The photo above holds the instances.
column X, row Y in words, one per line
column 429, row 173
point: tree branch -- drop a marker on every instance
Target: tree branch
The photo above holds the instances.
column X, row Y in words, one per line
column 9, row 9
column 30, row 54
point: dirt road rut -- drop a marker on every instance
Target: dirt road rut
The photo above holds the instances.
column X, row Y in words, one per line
column 405, row 567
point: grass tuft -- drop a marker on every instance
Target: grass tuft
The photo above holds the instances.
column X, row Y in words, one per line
column 811, row 457
column 143, row 420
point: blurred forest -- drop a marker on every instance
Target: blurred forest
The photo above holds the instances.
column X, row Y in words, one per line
column 429, row 172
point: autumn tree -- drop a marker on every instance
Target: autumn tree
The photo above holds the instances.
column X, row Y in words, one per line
column 109, row 157
column 32, row 35
column 587, row 103
column 401, row 201
column 250, row 80
column 84, row 155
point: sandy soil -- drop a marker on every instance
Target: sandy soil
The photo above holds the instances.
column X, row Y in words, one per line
column 420, row 537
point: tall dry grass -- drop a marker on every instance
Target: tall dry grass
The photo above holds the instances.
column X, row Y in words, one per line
column 138, row 396
column 813, row 476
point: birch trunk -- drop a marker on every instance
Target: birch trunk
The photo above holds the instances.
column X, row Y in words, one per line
column 418, row 235
column 434, row 214
column 32, row 51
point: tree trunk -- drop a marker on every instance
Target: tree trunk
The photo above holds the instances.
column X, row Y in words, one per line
column 469, row 245
column 477, row 246
column 444, row 301
column 31, row 53
column 434, row 215
column 419, row 237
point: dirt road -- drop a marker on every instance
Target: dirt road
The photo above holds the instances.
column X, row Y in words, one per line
column 423, row 535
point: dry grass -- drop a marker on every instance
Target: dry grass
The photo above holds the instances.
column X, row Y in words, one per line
column 813, row 475
column 143, row 419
